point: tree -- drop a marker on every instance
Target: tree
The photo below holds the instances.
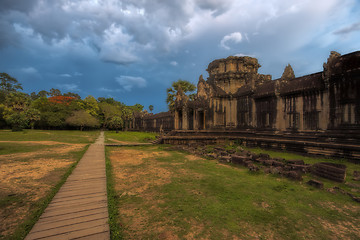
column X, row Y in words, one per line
column 17, row 121
column 116, row 123
column 8, row 83
column 185, row 86
column 74, row 95
column 108, row 111
column 82, row 119
column 54, row 119
column 17, row 101
column 138, row 107
column 107, row 100
column 91, row 106
column 61, row 99
column 151, row 108
column 43, row 93
column 55, row 92
column 32, row 115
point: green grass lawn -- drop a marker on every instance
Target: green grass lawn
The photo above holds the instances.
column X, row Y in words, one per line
column 11, row 148
column 173, row 194
column 50, row 135
column 141, row 137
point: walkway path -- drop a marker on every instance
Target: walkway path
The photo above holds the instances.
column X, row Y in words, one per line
column 79, row 210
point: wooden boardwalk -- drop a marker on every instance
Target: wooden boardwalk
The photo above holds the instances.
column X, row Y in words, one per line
column 79, row 210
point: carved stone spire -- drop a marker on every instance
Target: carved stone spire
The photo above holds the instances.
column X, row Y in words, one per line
column 332, row 59
column 202, row 88
column 288, row 74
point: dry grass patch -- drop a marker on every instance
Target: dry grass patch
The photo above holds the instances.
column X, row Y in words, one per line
column 136, row 173
column 27, row 177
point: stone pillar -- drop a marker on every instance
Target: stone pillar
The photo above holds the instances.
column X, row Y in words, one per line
column 280, row 117
column 185, row 121
column 324, row 110
column 176, row 120
column 204, row 122
column 234, row 112
column 195, row 120
column 300, row 110
column 253, row 113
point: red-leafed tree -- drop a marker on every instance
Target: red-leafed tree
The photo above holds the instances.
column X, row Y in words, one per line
column 61, row 99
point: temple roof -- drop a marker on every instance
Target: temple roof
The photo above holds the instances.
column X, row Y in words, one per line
column 301, row 84
column 265, row 90
column 217, row 90
column 243, row 91
column 158, row 115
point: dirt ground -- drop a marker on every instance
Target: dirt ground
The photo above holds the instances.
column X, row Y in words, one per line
column 130, row 182
column 27, row 177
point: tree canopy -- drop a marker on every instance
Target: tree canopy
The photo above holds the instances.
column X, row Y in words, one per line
column 180, row 85
column 55, row 110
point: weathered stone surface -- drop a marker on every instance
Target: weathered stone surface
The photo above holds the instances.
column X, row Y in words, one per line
column 267, row 162
column 277, row 163
column 226, row 159
column 335, row 172
column 255, row 156
column 356, row 176
column 301, row 168
column 316, row 183
column 297, row 162
column 237, row 159
column 231, row 151
column 212, row 155
column 247, row 163
column 273, row 170
column 294, row 175
column 252, row 167
column 264, row 156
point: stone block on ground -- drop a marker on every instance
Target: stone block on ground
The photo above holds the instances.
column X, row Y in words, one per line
column 316, row 183
column 253, row 168
column 226, row 159
column 294, row 161
column 294, row 175
column 279, row 159
column 254, row 156
column 267, row 170
column 237, row 159
column 230, row 151
column 301, row 168
column 267, row 162
column 219, row 149
column 247, row 163
column 264, row 156
column 239, row 149
column 277, row 163
column 331, row 171
column 276, row 170
column 356, row 176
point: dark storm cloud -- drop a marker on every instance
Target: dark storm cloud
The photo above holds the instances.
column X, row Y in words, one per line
column 17, row 5
column 352, row 28
column 7, row 35
column 217, row 7
column 151, row 43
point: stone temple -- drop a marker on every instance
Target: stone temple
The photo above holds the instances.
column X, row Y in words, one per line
column 238, row 103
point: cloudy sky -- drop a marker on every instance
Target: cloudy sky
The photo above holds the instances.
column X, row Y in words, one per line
column 133, row 50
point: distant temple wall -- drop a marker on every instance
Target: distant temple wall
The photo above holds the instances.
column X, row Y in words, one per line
column 235, row 96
